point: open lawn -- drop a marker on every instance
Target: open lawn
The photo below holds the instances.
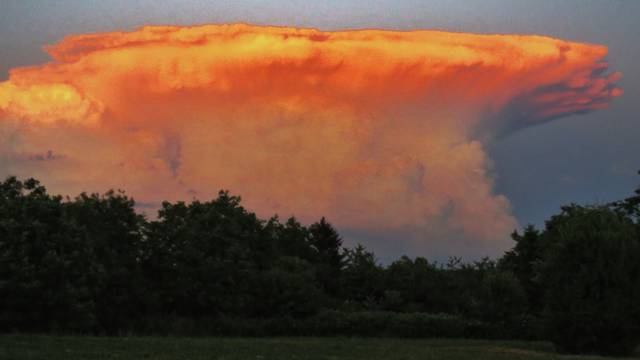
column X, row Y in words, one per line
column 18, row 347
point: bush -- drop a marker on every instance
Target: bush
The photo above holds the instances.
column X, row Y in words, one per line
column 337, row 323
column 592, row 275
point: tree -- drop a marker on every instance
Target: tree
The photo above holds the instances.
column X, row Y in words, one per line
column 630, row 205
column 110, row 231
column 522, row 261
column 591, row 273
column 416, row 286
column 287, row 289
column 362, row 278
column 199, row 255
column 327, row 243
column 292, row 239
column 45, row 267
column 500, row 298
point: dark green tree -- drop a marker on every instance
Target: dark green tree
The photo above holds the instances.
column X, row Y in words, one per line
column 522, row 261
column 362, row 278
column 329, row 257
column 500, row 298
column 591, row 273
column 287, row 289
column 199, row 256
column 630, row 205
column 292, row 239
column 45, row 265
column 110, row 231
column 415, row 286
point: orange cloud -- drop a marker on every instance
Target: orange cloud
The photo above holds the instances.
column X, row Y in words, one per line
column 377, row 130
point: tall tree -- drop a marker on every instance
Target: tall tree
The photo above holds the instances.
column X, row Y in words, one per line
column 200, row 254
column 522, row 261
column 362, row 278
column 45, row 265
column 110, row 230
column 327, row 243
column 591, row 273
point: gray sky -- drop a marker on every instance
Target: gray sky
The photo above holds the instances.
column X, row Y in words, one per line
column 584, row 159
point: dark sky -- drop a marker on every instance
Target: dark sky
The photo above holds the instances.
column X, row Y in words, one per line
column 585, row 158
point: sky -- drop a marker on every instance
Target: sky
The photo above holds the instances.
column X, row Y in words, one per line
column 527, row 172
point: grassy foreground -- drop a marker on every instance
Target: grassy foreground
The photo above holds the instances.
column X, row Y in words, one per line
column 18, row 347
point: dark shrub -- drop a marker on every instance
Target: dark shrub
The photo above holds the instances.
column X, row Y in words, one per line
column 392, row 324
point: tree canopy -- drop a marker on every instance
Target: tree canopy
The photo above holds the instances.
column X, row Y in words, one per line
column 92, row 264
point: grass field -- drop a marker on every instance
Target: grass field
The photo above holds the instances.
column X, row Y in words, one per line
column 18, row 347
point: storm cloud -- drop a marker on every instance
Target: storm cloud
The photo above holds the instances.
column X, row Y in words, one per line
column 380, row 131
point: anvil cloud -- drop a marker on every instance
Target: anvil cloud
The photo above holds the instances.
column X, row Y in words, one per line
column 379, row 131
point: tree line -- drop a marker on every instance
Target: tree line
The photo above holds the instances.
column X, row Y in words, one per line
column 93, row 265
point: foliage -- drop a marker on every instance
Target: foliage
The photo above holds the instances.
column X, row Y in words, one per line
column 66, row 265
column 522, row 260
column 591, row 271
column 91, row 264
column 362, row 279
column 500, row 299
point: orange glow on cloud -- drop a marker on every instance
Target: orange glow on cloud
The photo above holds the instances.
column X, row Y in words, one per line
column 377, row 130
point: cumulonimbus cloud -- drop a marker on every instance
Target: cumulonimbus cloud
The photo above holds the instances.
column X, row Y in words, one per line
column 378, row 130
